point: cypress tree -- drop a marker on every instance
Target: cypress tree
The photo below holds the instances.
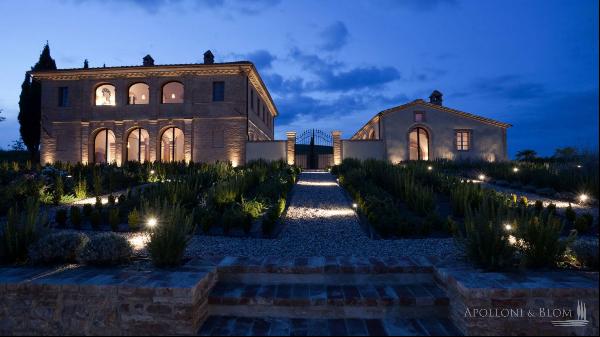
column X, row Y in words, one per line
column 30, row 104
column 86, row 65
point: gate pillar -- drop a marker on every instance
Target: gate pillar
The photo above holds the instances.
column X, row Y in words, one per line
column 291, row 147
column 337, row 147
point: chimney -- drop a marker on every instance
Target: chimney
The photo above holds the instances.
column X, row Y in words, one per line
column 436, row 98
column 148, row 61
column 209, row 58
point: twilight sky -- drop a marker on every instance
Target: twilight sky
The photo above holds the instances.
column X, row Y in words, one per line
column 334, row 64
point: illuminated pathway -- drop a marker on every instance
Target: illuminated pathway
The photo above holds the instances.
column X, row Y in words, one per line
column 320, row 222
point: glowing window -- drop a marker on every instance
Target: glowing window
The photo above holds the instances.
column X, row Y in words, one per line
column 105, row 95
column 171, row 145
column 139, row 93
column 463, row 140
column 138, row 145
column 172, row 92
column 418, row 140
column 104, row 147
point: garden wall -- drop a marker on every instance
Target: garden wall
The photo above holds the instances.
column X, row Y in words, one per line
column 363, row 149
column 91, row 301
column 267, row 150
column 523, row 304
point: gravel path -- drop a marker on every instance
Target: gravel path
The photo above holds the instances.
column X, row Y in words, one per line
column 532, row 197
column 320, row 222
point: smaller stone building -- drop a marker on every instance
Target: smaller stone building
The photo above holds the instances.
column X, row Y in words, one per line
column 181, row 112
column 422, row 130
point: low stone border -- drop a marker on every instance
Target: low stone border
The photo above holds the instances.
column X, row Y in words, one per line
column 527, row 303
column 92, row 301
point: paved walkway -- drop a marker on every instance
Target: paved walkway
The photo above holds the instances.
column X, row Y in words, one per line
column 320, row 222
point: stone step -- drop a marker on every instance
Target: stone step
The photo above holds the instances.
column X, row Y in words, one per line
column 328, row 301
column 270, row 326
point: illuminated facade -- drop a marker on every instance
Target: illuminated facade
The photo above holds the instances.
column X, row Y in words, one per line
column 189, row 112
column 422, row 130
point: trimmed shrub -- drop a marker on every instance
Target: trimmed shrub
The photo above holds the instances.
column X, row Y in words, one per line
column 106, row 249
column 253, row 207
column 75, row 215
column 169, row 238
column 587, row 253
column 584, row 222
column 113, row 219
column 21, row 230
column 59, row 189
column 87, row 210
column 542, row 245
column 133, row 220
column 570, row 214
column 81, row 188
column 111, row 200
column 61, row 218
column 484, row 238
column 539, row 206
column 58, row 248
column 96, row 219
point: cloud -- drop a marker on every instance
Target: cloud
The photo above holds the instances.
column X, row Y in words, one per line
column 333, row 76
column 334, row 36
column 416, row 5
column 357, row 78
column 510, row 87
column 154, row 6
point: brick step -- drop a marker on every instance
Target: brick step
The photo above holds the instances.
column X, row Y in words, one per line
column 328, row 301
column 326, row 265
column 269, row 326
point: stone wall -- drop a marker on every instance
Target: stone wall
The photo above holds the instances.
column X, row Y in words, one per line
column 88, row 301
column 269, row 150
column 513, row 304
column 363, row 149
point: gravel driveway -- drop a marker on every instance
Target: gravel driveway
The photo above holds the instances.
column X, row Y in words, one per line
column 320, row 222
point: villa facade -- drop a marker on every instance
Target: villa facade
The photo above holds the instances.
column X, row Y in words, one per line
column 186, row 112
column 422, row 130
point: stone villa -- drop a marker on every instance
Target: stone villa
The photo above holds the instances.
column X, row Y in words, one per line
column 223, row 111
column 422, row 130
column 183, row 112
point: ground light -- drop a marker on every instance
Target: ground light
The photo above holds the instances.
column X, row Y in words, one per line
column 151, row 171
column 354, row 205
column 583, row 197
column 515, row 169
column 152, row 222
column 508, row 227
column 481, row 177
column 429, row 168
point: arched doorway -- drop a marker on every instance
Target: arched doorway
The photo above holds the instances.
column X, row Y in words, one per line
column 104, row 147
column 171, row 145
column 138, row 145
column 418, row 144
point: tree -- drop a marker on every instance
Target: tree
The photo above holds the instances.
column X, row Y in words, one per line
column 526, row 155
column 565, row 153
column 30, row 105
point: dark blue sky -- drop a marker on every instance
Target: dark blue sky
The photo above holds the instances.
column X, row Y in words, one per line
column 334, row 64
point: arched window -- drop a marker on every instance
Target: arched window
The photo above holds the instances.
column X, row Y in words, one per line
column 139, row 93
column 172, row 92
column 138, row 145
column 418, row 146
column 171, row 145
column 104, row 147
column 105, row 94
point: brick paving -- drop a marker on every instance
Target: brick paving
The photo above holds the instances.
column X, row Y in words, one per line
column 268, row 326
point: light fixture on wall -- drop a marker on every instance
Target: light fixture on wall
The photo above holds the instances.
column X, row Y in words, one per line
column 143, row 97
column 173, row 96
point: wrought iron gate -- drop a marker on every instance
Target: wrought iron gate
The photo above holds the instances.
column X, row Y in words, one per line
column 314, row 149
